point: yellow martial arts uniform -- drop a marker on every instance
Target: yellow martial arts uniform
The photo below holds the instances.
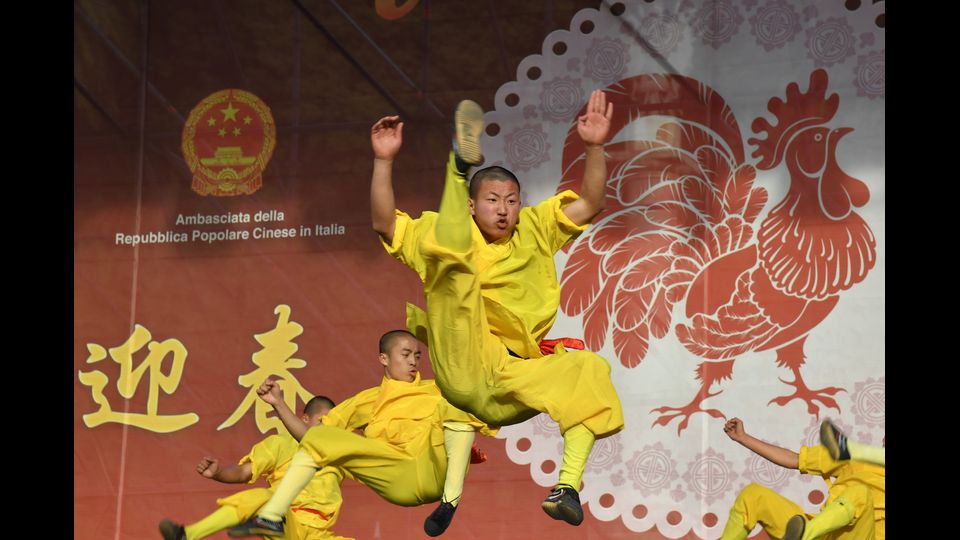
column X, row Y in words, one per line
column 401, row 456
column 862, row 485
column 487, row 309
column 316, row 508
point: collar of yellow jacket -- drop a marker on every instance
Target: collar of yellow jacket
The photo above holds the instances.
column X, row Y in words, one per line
column 416, row 380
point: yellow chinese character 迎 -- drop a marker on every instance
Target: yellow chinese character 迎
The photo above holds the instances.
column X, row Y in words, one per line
column 130, row 378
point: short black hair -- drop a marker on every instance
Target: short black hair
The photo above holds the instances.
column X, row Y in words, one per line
column 316, row 403
column 495, row 172
column 386, row 340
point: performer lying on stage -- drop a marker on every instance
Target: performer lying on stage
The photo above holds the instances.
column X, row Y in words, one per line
column 313, row 512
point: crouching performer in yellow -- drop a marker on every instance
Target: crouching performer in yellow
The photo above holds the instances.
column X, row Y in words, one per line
column 492, row 294
column 855, row 507
column 415, row 447
column 314, row 511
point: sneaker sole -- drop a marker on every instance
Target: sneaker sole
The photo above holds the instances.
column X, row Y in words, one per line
column 829, row 440
column 795, row 527
column 169, row 530
column 433, row 527
column 562, row 513
column 468, row 121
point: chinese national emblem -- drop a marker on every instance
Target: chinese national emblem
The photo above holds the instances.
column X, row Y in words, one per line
column 227, row 142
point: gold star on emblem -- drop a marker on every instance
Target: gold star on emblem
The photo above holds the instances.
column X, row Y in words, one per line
column 221, row 132
column 212, row 121
column 229, row 113
column 236, row 131
column 247, row 120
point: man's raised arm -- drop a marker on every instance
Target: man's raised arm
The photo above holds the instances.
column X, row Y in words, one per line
column 593, row 128
column 386, row 136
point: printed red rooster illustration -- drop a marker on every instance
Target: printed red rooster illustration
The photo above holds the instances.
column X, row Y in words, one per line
column 680, row 228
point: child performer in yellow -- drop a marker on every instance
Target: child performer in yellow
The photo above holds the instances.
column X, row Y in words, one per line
column 313, row 513
column 415, row 448
column 492, row 293
column 855, row 508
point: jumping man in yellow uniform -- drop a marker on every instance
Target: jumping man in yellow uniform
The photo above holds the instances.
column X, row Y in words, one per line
column 415, row 448
column 492, row 293
column 313, row 512
column 855, row 507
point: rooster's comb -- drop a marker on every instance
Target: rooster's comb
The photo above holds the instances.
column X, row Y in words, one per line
column 798, row 112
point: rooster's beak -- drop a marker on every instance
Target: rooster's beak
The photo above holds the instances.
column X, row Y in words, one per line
column 839, row 133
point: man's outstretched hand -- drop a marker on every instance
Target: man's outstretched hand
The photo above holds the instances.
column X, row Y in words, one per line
column 386, row 136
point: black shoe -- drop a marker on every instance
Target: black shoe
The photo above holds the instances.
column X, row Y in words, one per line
column 795, row 527
column 468, row 125
column 439, row 519
column 172, row 531
column 834, row 440
column 564, row 503
column 256, row 526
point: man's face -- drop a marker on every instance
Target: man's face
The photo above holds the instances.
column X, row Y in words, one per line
column 314, row 419
column 402, row 359
column 496, row 208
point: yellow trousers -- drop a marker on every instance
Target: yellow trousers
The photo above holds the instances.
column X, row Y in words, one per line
column 248, row 501
column 474, row 369
column 759, row 504
column 405, row 479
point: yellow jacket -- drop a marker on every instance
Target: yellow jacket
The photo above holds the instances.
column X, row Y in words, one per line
column 518, row 278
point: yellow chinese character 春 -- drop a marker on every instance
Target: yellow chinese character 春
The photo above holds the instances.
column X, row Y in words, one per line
column 130, row 378
column 275, row 361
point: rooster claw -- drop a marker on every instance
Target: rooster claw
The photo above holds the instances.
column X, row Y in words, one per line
column 683, row 412
column 810, row 397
